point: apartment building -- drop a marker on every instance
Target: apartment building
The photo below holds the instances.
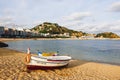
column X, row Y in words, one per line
column 1, row 31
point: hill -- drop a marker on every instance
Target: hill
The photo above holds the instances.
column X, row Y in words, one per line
column 54, row 28
column 108, row 35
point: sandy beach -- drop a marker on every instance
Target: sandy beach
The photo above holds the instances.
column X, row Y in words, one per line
column 12, row 67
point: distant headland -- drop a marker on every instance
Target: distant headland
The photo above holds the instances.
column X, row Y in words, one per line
column 51, row 30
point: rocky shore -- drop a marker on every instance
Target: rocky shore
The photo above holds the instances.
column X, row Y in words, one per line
column 12, row 67
column 3, row 44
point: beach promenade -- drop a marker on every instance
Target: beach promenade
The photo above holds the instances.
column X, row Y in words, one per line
column 12, row 67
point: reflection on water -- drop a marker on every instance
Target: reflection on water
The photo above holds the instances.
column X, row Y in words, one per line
column 92, row 50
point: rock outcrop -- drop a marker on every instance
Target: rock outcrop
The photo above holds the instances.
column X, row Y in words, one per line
column 3, row 44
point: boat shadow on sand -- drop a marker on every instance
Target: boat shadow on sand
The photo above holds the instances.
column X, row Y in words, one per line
column 75, row 63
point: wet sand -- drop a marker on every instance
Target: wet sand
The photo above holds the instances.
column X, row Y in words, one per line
column 12, row 67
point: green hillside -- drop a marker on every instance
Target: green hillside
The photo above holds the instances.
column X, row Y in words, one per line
column 108, row 35
column 53, row 28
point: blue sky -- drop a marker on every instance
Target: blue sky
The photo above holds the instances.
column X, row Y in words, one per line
column 92, row 16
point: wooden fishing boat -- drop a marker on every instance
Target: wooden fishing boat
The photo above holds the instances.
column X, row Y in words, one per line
column 48, row 62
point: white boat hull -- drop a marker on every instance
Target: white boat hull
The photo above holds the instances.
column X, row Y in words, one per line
column 46, row 63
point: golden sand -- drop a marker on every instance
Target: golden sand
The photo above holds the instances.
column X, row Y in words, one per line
column 12, row 67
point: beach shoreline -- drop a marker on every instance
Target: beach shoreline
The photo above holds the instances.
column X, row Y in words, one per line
column 12, row 67
column 18, row 39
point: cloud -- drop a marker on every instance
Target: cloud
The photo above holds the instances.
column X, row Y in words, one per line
column 72, row 23
column 8, row 11
column 115, row 7
column 95, row 27
column 74, row 20
column 77, row 16
column 6, row 20
column 103, row 27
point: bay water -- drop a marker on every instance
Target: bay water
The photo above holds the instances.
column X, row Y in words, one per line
column 106, row 51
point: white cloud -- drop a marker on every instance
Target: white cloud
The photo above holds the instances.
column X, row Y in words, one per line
column 72, row 23
column 96, row 28
column 6, row 19
column 77, row 16
column 74, row 20
column 115, row 7
column 8, row 11
column 106, row 27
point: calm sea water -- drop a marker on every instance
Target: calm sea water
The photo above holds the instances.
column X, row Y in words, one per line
column 107, row 51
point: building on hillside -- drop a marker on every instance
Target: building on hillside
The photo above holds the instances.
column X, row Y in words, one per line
column 28, row 33
column 1, row 31
column 60, row 35
column 35, row 34
column 45, row 34
column 14, row 31
column 66, row 34
column 87, row 37
column 7, row 33
column 20, row 32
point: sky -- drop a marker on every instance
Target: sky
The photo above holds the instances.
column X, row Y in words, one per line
column 91, row 16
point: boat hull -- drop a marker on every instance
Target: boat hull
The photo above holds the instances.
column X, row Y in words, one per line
column 36, row 67
column 47, row 62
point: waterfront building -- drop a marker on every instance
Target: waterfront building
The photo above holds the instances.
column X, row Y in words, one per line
column 1, row 31
column 66, row 34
